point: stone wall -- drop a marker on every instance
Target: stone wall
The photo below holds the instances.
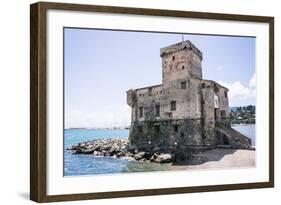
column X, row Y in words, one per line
column 187, row 101
column 193, row 120
column 210, row 115
column 180, row 60
column 148, row 135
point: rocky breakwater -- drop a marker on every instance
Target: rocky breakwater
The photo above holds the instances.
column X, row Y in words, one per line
column 119, row 148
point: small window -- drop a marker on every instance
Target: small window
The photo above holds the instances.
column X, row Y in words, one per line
column 141, row 111
column 182, row 67
column 176, row 128
column 203, row 85
column 183, row 85
column 173, row 105
column 182, row 134
column 157, row 128
column 216, row 101
column 140, row 130
column 174, row 58
column 157, row 110
column 225, row 94
column 149, row 91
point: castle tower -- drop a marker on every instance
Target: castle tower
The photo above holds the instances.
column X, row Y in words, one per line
column 180, row 61
column 185, row 110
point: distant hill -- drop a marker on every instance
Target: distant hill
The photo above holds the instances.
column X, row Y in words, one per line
column 243, row 114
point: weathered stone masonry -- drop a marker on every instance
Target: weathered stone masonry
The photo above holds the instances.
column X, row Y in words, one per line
column 185, row 111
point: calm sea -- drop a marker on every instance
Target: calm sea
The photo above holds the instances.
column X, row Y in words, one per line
column 247, row 130
column 90, row 165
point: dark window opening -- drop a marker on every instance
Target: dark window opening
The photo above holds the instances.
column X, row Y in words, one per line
column 140, row 130
column 225, row 140
column 182, row 67
column 173, row 105
column 216, row 88
column 223, row 113
column 183, row 85
column 216, row 114
column 157, row 128
column 203, row 85
column 176, row 128
column 174, row 58
column 157, row 110
column 225, row 94
column 149, row 91
column 182, row 135
column 141, row 111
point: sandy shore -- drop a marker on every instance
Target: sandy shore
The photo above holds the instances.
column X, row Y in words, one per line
column 219, row 159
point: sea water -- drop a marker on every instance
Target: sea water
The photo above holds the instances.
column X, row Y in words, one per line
column 248, row 130
column 80, row 164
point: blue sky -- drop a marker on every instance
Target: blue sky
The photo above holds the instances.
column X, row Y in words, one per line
column 100, row 66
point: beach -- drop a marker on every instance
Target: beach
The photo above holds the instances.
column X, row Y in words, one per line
column 218, row 159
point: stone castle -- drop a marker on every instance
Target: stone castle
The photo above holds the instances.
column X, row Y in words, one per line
column 185, row 111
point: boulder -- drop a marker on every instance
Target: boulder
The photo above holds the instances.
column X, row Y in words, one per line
column 153, row 157
column 98, row 147
column 120, row 154
column 112, row 151
column 165, row 158
column 140, row 155
column 129, row 154
column 88, row 150
column 97, row 153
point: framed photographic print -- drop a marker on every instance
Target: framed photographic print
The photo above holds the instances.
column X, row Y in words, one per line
column 135, row 102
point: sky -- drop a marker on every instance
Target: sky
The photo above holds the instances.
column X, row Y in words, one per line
column 101, row 65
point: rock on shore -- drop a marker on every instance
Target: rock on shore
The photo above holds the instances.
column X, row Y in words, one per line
column 118, row 148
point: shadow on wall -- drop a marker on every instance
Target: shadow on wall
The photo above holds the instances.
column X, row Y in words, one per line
column 206, row 156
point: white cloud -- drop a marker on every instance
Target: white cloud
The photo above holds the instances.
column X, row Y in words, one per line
column 237, row 91
column 252, row 82
column 219, row 68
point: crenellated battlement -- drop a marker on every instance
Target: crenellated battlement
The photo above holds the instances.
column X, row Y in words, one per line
column 184, row 45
